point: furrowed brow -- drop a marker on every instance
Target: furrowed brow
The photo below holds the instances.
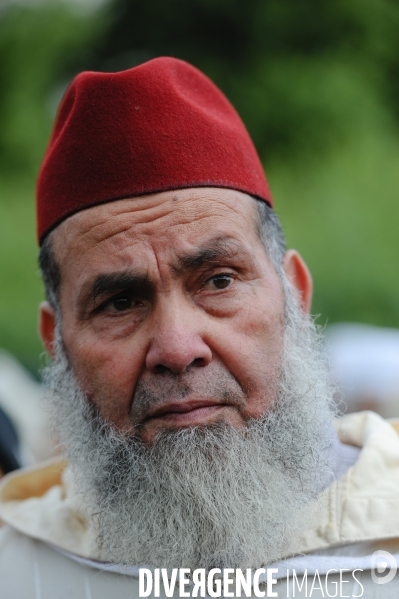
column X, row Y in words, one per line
column 105, row 285
column 217, row 249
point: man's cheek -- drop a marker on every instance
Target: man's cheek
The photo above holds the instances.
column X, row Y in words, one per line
column 256, row 338
column 255, row 358
column 108, row 378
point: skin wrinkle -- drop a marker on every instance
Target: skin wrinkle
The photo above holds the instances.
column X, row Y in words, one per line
column 190, row 261
column 210, row 253
column 274, row 250
column 63, row 241
column 74, row 223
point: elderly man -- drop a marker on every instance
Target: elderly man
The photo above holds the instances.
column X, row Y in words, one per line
column 187, row 387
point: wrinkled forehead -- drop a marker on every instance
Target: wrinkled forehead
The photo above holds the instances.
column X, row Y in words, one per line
column 165, row 221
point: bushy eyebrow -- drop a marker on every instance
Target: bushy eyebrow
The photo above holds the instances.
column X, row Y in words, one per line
column 214, row 251
column 106, row 285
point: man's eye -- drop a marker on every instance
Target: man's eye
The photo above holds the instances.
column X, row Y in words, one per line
column 219, row 282
column 122, row 303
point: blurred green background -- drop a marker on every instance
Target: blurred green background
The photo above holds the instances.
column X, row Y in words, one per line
column 316, row 82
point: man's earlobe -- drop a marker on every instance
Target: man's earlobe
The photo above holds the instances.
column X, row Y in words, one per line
column 47, row 325
column 299, row 276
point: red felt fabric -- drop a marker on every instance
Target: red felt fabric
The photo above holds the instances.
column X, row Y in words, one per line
column 159, row 126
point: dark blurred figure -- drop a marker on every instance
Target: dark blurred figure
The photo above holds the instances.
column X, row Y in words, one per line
column 9, row 445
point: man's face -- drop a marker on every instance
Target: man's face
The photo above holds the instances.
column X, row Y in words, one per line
column 172, row 314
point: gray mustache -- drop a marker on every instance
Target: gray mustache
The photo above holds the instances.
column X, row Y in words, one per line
column 154, row 390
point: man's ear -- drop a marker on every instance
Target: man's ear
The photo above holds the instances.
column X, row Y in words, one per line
column 299, row 276
column 47, row 324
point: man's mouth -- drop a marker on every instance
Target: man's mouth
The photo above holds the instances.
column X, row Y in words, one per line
column 187, row 413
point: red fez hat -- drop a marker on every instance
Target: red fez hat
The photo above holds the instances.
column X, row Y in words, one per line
column 159, row 126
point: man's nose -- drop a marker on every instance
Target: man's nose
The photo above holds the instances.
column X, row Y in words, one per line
column 177, row 340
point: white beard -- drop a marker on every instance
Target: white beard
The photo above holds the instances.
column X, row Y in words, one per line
column 203, row 497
